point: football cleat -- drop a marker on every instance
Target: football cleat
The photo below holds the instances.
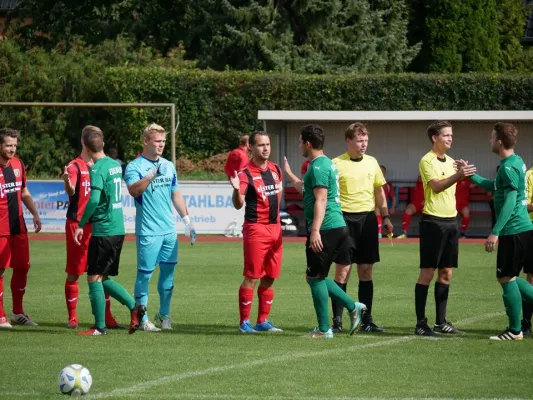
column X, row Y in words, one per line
column 356, row 316
column 402, row 236
column 370, row 326
column 318, row 334
column 164, row 321
column 94, row 331
column 422, row 328
column 246, row 327
column 149, row 326
column 111, row 323
column 73, row 323
column 526, row 327
column 508, row 335
column 4, row 323
column 337, row 325
column 22, row 319
column 137, row 315
column 446, row 327
column 267, row 326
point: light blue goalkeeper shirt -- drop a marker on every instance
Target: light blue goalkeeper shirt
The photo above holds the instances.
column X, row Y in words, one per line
column 153, row 208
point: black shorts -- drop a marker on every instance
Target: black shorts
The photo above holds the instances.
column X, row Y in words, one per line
column 363, row 228
column 512, row 254
column 439, row 242
column 104, row 255
column 336, row 243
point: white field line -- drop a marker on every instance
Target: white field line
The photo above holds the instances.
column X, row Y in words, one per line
column 288, row 357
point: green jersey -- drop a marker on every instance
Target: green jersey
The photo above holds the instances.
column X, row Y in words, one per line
column 512, row 175
column 107, row 219
column 322, row 173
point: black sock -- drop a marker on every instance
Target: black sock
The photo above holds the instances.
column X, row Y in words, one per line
column 421, row 296
column 527, row 311
column 366, row 294
column 441, row 300
column 336, row 306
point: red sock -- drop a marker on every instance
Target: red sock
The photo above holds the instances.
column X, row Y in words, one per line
column 464, row 224
column 71, row 297
column 406, row 221
column 245, row 303
column 18, row 288
column 2, row 313
column 266, row 296
column 380, row 222
column 108, row 316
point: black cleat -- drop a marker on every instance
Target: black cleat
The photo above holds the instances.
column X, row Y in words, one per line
column 337, row 325
column 446, row 327
column 372, row 327
column 526, row 327
column 422, row 328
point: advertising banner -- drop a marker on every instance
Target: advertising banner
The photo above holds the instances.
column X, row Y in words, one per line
column 209, row 204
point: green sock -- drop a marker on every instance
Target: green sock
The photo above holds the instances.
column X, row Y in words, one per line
column 319, row 292
column 117, row 291
column 97, row 298
column 513, row 304
column 339, row 295
column 526, row 289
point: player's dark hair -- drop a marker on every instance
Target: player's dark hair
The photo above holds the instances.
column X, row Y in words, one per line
column 313, row 134
column 357, row 128
column 93, row 138
column 252, row 138
column 13, row 133
column 507, row 133
column 435, row 129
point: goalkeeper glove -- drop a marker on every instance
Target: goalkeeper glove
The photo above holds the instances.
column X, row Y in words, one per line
column 160, row 169
column 189, row 229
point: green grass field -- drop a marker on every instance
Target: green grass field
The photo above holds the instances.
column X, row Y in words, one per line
column 205, row 357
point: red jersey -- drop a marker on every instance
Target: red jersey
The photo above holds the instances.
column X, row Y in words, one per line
column 417, row 194
column 390, row 193
column 12, row 182
column 462, row 191
column 237, row 160
column 262, row 189
column 78, row 173
column 305, row 167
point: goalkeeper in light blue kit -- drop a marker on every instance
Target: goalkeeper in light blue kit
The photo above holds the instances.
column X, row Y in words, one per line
column 152, row 181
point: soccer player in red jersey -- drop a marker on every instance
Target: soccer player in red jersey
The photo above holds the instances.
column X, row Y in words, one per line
column 77, row 184
column 462, row 198
column 259, row 185
column 416, row 205
column 304, row 167
column 390, row 198
column 237, row 158
column 14, row 246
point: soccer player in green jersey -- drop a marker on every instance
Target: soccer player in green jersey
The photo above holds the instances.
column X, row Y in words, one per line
column 327, row 235
column 513, row 228
column 104, row 209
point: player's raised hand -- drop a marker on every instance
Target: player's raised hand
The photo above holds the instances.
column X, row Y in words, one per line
column 65, row 175
column 286, row 166
column 78, row 235
column 235, row 181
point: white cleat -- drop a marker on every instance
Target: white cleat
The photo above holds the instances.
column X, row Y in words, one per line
column 4, row 323
column 149, row 327
column 22, row 319
column 163, row 321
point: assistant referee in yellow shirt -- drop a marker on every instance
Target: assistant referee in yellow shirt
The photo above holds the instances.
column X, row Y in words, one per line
column 361, row 192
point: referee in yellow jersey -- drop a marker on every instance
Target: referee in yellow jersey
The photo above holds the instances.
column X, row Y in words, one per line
column 361, row 193
column 439, row 231
column 527, row 308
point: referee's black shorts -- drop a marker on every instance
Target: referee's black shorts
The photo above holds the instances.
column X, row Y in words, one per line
column 439, row 242
column 513, row 251
column 336, row 243
column 363, row 228
column 104, row 255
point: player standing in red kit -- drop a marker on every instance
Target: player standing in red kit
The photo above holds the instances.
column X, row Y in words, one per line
column 77, row 183
column 259, row 185
column 416, row 205
column 14, row 245
column 462, row 198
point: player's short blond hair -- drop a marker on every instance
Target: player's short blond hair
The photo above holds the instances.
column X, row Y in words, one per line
column 153, row 128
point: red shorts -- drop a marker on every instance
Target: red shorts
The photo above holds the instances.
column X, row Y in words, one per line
column 77, row 254
column 15, row 251
column 263, row 247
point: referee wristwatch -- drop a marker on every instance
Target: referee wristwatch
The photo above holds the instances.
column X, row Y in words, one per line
column 386, row 216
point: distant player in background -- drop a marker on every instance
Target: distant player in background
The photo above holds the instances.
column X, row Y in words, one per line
column 462, row 198
column 104, row 209
column 304, row 167
column 416, row 205
column 153, row 183
column 259, row 185
column 113, row 153
column 527, row 308
column 390, row 197
column 14, row 245
column 77, row 183
column 237, row 158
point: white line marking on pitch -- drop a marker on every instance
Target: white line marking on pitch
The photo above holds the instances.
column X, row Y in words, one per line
column 289, row 357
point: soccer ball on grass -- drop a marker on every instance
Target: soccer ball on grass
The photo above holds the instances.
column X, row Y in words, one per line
column 75, row 380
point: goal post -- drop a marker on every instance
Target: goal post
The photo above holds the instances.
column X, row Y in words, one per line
column 174, row 118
